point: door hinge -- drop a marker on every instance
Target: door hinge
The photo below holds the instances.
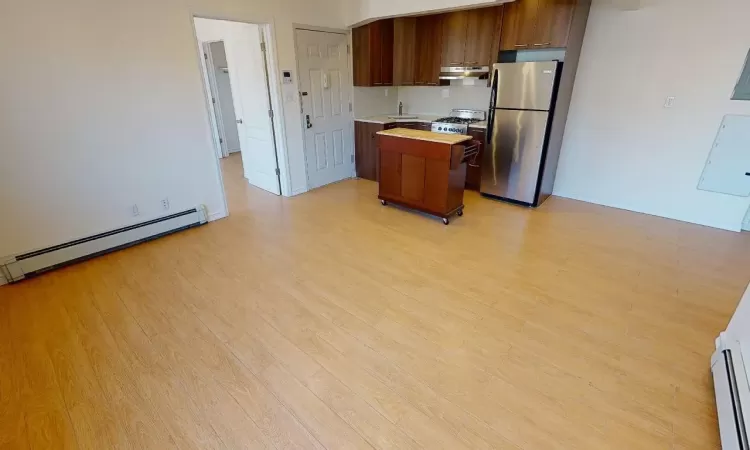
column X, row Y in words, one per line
column 350, row 106
column 278, row 172
column 205, row 56
column 352, row 156
column 221, row 141
column 348, row 49
column 213, row 100
column 263, row 46
column 270, row 113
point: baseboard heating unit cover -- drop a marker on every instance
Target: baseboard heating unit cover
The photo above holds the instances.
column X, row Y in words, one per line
column 37, row 262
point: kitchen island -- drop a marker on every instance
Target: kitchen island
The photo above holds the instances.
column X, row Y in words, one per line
column 424, row 171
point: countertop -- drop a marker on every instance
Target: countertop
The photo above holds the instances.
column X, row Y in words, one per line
column 423, row 118
column 440, row 138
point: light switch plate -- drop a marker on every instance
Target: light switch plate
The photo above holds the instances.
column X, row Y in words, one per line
column 446, row 93
column 669, row 102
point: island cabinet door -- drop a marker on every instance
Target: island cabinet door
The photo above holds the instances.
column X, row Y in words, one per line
column 412, row 178
column 390, row 173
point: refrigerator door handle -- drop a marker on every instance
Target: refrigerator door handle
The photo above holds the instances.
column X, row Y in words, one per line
column 493, row 102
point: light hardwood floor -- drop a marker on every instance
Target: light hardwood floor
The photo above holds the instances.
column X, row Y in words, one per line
column 329, row 321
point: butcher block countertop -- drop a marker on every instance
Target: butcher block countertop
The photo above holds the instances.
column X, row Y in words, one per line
column 440, row 138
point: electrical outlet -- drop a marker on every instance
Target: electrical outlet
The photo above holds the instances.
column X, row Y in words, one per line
column 135, row 211
column 446, row 93
column 386, row 92
column 669, row 102
column 165, row 204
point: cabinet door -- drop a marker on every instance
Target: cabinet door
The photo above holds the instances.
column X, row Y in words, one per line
column 454, row 38
column 361, row 56
column 429, row 39
column 390, row 174
column 386, row 52
column 376, row 53
column 554, row 18
column 364, row 150
column 404, row 50
column 519, row 24
column 480, row 36
column 412, row 178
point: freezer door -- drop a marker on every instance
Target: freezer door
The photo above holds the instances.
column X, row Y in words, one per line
column 513, row 157
column 526, row 85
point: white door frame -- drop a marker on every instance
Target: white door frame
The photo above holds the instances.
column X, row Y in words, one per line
column 348, row 34
column 274, row 82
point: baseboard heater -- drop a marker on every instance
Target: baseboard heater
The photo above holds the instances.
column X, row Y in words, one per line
column 732, row 392
column 35, row 263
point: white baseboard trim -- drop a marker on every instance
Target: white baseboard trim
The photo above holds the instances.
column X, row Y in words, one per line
column 2, row 279
column 298, row 192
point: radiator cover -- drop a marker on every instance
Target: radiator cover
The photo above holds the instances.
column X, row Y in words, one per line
column 37, row 262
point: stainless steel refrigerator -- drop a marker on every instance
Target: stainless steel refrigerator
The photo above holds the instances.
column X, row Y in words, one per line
column 518, row 124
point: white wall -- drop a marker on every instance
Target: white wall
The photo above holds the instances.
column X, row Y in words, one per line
column 374, row 101
column 621, row 147
column 103, row 107
column 429, row 99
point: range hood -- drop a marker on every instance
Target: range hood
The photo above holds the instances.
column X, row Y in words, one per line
column 464, row 72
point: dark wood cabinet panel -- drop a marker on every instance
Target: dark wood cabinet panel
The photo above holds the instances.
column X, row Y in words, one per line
column 361, row 56
column 390, row 174
column 455, row 26
column 554, row 18
column 365, row 154
column 386, row 52
column 404, row 50
column 373, row 54
column 482, row 36
column 533, row 24
column 429, row 46
column 519, row 25
column 412, row 177
column 473, row 166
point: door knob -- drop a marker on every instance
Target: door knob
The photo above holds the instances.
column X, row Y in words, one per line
column 307, row 119
column 239, row 121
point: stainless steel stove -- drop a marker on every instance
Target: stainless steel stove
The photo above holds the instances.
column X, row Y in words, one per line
column 458, row 122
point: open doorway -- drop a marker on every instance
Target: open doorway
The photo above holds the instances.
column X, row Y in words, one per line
column 235, row 71
column 222, row 99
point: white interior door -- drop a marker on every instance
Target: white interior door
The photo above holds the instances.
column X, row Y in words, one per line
column 324, row 74
column 251, row 104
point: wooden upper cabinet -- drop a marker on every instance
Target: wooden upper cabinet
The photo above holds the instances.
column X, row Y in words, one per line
column 429, row 44
column 469, row 37
column 554, row 18
column 533, row 24
column 361, row 56
column 373, row 54
column 483, row 36
column 519, row 25
column 455, row 25
column 404, row 51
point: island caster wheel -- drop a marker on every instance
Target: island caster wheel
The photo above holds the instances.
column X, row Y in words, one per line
column 383, row 202
column 460, row 212
column 446, row 221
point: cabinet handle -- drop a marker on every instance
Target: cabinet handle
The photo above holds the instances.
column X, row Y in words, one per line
column 470, row 63
column 521, row 45
column 542, row 45
column 455, row 64
column 377, row 84
column 432, row 84
column 419, row 82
